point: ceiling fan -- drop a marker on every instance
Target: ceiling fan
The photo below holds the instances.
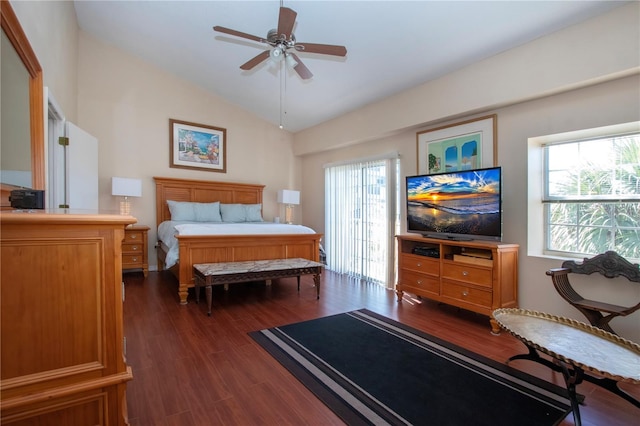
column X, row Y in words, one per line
column 283, row 45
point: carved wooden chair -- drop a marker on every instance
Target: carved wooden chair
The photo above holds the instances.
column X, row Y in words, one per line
column 610, row 265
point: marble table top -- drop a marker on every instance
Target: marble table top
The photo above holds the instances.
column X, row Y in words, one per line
column 574, row 342
column 228, row 268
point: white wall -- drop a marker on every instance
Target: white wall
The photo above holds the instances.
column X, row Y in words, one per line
column 52, row 30
column 600, row 49
column 127, row 103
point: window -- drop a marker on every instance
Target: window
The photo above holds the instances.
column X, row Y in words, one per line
column 592, row 195
column 360, row 216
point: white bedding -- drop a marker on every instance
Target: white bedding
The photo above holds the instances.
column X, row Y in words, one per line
column 168, row 230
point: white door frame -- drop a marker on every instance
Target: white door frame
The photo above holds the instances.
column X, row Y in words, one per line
column 54, row 129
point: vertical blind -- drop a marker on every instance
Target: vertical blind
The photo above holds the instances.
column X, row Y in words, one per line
column 360, row 216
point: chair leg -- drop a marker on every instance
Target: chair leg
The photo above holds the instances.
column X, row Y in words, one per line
column 597, row 319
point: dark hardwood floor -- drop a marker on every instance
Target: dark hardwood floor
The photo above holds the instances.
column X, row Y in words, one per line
column 191, row 369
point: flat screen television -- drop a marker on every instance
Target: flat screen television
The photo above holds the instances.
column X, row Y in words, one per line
column 460, row 205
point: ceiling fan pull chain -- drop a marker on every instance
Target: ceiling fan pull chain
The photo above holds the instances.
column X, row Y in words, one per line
column 284, row 94
column 281, row 64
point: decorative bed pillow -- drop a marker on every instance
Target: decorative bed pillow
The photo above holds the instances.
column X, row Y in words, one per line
column 194, row 212
column 254, row 212
column 238, row 213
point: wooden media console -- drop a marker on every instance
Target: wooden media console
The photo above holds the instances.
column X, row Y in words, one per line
column 479, row 276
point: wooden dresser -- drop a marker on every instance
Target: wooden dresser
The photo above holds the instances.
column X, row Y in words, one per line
column 480, row 276
column 62, row 336
column 134, row 248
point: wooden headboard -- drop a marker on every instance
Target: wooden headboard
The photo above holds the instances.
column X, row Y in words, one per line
column 202, row 191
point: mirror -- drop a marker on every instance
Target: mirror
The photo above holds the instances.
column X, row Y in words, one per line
column 23, row 119
column 15, row 155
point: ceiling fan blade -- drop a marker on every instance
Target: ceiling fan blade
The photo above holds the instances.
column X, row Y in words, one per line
column 325, row 49
column 301, row 68
column 255, row 60
column 238, row 34
column 286, row 21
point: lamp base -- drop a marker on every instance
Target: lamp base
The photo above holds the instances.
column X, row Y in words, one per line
column 288, row 214
column 125, row 207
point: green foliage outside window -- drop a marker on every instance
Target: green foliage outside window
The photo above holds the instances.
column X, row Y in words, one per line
column 593, row 196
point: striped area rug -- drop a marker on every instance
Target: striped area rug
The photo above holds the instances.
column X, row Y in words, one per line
column 371, row 370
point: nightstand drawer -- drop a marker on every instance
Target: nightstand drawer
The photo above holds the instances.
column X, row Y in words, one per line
column 134, row 248
column 128, row 248
column 132, row 260
column 133, row 236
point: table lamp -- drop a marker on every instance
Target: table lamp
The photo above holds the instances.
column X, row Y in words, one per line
column 289, row 198
column 126, row 187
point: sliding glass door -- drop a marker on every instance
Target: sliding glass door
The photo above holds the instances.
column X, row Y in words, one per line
column 360, row 204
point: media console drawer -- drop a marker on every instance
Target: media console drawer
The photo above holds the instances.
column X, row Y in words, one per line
column 467, row 274
column 424, row 264
column 467, row 294
column 419, row 281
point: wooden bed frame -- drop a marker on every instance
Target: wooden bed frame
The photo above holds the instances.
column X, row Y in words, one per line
column 234, row 248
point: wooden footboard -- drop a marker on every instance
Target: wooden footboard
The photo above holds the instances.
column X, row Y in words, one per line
column 208, row 249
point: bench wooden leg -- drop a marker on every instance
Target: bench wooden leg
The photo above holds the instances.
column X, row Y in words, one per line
column 196, row 288
column 208, row 291
column 316, row 280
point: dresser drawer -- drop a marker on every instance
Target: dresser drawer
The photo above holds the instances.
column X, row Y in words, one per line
column 419, row 281
column 466, row 294
column 422, row 264
column 467, row 273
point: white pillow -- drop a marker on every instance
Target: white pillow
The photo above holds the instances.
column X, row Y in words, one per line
column 194, row 212
column 238, row 213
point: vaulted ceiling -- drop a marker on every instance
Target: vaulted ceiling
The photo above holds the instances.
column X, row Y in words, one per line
column 391, row 45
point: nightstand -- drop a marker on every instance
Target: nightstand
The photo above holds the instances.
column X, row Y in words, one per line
column 134, row 248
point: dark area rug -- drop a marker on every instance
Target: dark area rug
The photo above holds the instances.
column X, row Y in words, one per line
column 370, row 369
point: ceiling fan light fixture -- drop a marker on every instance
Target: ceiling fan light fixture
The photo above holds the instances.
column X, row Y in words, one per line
column 291, row 62
column 277, row 53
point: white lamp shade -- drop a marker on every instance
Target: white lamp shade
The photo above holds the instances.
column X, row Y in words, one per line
column 126, row 187
column 292, row 63
column 277, row 54
column 287, row 196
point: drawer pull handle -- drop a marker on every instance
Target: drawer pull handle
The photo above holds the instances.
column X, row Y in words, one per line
column 135, row 248
column 133, row 237
column 465, row 293
column 419, row 281
column 465, row 273
column 419, row 265
column 135, row 259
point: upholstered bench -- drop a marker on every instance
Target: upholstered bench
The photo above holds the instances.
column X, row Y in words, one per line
column 224, row 273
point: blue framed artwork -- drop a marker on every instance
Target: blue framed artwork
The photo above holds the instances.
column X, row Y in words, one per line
column 197, row 146
column 466, row 145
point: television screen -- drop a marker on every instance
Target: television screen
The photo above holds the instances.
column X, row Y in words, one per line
column 460, row 205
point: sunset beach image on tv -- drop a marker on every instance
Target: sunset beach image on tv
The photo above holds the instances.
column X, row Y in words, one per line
column 462, row 203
